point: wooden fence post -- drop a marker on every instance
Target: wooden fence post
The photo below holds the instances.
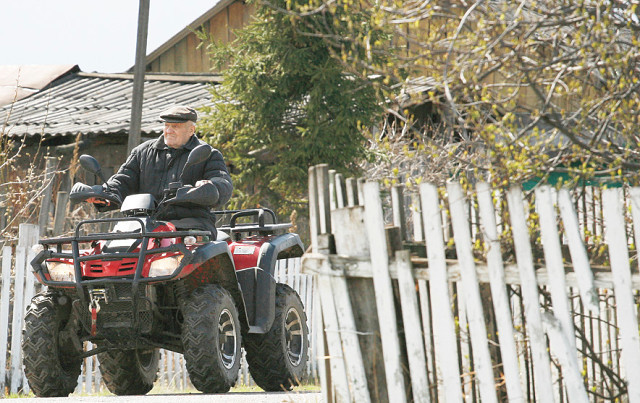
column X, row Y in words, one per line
column 360, row 187
column 416, row 214
column 499, row 295
column 464, row 341
column 310, row 307
column 3, row 211
column 314, row 215
column 97, row 379
column 352, row 193
column 634, row 194
column 397, row 203
column 324, row 207
column 384, row 292
column 473, row 301
column 530, row 296
column 178, row 368
column 411, row 322
column 350, row 343
column 616, row 238
column 351, row 240
column 339, row 192
column 445, row 333
column 555, row 265
column 579, row 257
column 319, row 220
column 566, row 353
column 62, row 202
column 321, row 348
column 45, row 207
column 27, row 237
column 4, row 314
column 426, row 315
column 332, row 334
column 88, row 367
column 332, row 189
column 16, row 325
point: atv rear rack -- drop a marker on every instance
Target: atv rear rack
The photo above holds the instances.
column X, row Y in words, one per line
column 235, row 230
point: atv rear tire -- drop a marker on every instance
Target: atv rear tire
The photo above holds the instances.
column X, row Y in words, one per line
column 211, row 339
column 277, row 359
column 51, row 371
column 129, row 372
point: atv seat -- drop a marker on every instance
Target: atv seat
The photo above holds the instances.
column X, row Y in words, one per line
column 222, row 236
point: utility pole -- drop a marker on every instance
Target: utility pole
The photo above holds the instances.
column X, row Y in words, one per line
column 138, row 75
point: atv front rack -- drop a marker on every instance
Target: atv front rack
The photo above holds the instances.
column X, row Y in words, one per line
column 144, row 235
column 108, row 236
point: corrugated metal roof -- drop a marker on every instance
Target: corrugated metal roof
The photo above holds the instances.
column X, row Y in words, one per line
column 20, row 81
column 94, row 103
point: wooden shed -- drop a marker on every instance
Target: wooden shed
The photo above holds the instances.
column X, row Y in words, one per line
column 91, row 112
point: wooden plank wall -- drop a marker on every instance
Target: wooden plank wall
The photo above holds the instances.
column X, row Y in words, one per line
column 186, row 57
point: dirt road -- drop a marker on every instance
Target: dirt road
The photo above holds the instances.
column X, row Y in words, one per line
column 255, row 397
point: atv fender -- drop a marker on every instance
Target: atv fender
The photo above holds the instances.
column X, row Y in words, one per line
column 282, row 247
column 212, row 264
column 258, row 290
column 259, row 285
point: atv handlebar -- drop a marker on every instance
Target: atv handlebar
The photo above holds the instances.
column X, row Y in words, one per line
column 81, row 192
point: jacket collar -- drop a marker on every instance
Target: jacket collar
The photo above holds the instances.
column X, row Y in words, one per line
column 190, row 145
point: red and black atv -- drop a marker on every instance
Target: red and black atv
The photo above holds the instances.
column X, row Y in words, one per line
column 144, row 285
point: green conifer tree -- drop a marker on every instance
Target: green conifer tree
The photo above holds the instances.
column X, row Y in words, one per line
column 286, row 104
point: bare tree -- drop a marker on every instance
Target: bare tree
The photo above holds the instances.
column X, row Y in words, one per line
column 528, row 88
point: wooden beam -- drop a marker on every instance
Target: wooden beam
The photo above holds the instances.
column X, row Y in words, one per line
column 384, row 292
column 138, row 76
column 626, row 311
column 500, row 298
column 530, row 296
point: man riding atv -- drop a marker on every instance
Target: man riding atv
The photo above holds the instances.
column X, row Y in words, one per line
column 158, row 279
column 153, row 165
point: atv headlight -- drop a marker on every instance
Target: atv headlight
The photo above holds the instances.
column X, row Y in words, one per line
column 61, row 271
column 165, row 266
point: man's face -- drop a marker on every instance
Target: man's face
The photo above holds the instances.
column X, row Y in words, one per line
column 178, row 134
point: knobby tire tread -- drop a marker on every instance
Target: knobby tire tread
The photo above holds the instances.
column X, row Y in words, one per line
column 124, row 376
column 266, row 353
column 201, row 348
column 42, row 366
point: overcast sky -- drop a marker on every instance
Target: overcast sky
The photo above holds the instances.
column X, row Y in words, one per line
column 97, row 35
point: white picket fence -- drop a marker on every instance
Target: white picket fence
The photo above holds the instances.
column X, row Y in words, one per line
column 18, row 280
column 564, row 330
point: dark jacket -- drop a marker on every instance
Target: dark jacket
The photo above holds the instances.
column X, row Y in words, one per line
column 153, row 165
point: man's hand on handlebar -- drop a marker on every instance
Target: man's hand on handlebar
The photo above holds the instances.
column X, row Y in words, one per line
column 98, row 201
column 203, row 182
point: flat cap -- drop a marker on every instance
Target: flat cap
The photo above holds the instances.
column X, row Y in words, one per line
column 179, row 114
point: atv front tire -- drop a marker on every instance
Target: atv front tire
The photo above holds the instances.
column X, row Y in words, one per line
column 278, row 358
column 129, row 372
column 52, row 367
column 211, row 339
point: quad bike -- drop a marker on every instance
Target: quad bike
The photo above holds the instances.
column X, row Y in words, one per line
column 145, row 285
